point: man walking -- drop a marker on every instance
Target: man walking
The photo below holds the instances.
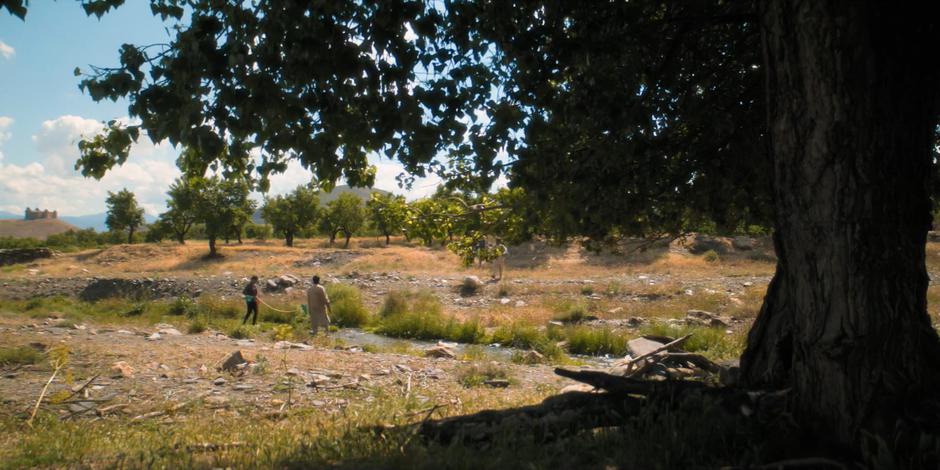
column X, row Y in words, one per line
column 251, row 300
column 318, row 305
column 499, row 262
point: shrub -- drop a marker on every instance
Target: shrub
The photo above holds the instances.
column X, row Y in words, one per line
column 503, row 291
column 182, row 305
column 595, row 341
column 587, row 290
column 136, row 310
column 19, row 355
column 570, row 312
column 197, row 325
column 346, row 304
column 213, row 307
column 240, row 332
column 711, row 256
column 396, row 302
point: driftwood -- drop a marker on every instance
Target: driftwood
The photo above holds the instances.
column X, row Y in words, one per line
column 555, row 417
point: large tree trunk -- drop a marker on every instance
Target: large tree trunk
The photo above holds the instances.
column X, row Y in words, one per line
column 181, row 237
column 130, row 236
column 851, row 117
column 289, row 239
column 212, row 249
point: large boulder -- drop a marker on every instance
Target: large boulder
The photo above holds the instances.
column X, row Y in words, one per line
column 233, row 362
column 701, row 243
column 440, row 351
column 744, row 243
column 471, row 285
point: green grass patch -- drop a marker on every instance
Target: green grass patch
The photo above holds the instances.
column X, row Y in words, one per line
column 419, row 315
column 19, row 356
column 714, row 343
column 474, row 375
column 569, row 310
column 595, row 341
column 240, row 332
column 197, row 325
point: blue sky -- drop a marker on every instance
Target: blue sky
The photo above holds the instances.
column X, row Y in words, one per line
column 43, row 114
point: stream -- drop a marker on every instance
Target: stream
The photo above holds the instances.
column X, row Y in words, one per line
column 358, row 337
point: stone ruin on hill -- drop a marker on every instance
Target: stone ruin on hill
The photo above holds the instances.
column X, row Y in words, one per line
column 41, row 214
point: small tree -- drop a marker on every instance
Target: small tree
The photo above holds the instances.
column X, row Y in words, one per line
column 123, row 213
column 181, row 213
column 219, row 205
column 292, row 213
column 343, row 214
column 388, row 213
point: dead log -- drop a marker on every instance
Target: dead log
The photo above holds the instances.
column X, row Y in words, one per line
column 555, row 417
column 697, row 360
column 617, row 384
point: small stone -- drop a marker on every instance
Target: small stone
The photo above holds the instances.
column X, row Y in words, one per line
column 497, row 383
column 439, row 351
column 519, row 303
column 615, row 310
column 122, row 370
column 503, row 301
column 403, row 368
column 170, row 332
column 218, row 381
column 154, row 337
column 293, row 372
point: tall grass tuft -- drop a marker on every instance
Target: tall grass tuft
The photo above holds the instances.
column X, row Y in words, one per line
column 419, row 315
column 346, row 304
column 595, row 341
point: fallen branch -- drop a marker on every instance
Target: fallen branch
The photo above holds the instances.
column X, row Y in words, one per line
column 662, row 348
column 698, row 360
column 617, row 384
column 42, row 394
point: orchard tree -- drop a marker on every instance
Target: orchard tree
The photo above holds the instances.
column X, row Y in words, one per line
column 181, row 211
column 388, row 213
column 616, row 117
column 220, row 203
column 123, row 213
column 344, row 214
column 292, row 213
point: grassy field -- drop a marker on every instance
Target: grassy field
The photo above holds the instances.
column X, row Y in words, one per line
column 554, row 300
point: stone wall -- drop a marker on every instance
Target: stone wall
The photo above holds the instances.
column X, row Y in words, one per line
column 41, row 214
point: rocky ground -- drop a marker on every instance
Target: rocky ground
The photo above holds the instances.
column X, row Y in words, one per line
column 149, row 373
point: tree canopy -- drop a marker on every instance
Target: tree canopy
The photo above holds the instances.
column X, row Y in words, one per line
column 343, row 214
column 292, row 213
column 123, row 213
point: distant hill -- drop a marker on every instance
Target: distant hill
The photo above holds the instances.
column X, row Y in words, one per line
column 38, row 229
column 362, row 193
column 96, row 221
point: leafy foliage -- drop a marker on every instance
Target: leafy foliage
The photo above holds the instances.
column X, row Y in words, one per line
column 123, row 213
column 181, row 211
column 293, row 213
column 222, row 204
column 343, row 214
column 387, row 213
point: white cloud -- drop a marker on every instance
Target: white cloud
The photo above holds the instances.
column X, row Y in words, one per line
column 7, row 51
column 5, row 123
column 53, row 183
column 57, row 142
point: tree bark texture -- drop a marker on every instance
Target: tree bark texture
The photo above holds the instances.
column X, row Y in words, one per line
column 212, row 249
column 851, row 110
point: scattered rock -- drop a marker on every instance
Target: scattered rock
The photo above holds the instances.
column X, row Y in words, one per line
column 122, row 370
column 218, row 381
column 154, row 337
column 289, row 345
column 440, row 351
column 578, row 387
column 703, row 318
column 216, row 401
column 403, row 368
column 24, row 255
column 532, row 357
column 615, row 310
column 293, row 372
column 471, row 285
column 233, row 362
column 701, row 243
column 504, row 301
column 170, row 332
column 641, row 346
column 744, row 243
column 520, row 303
